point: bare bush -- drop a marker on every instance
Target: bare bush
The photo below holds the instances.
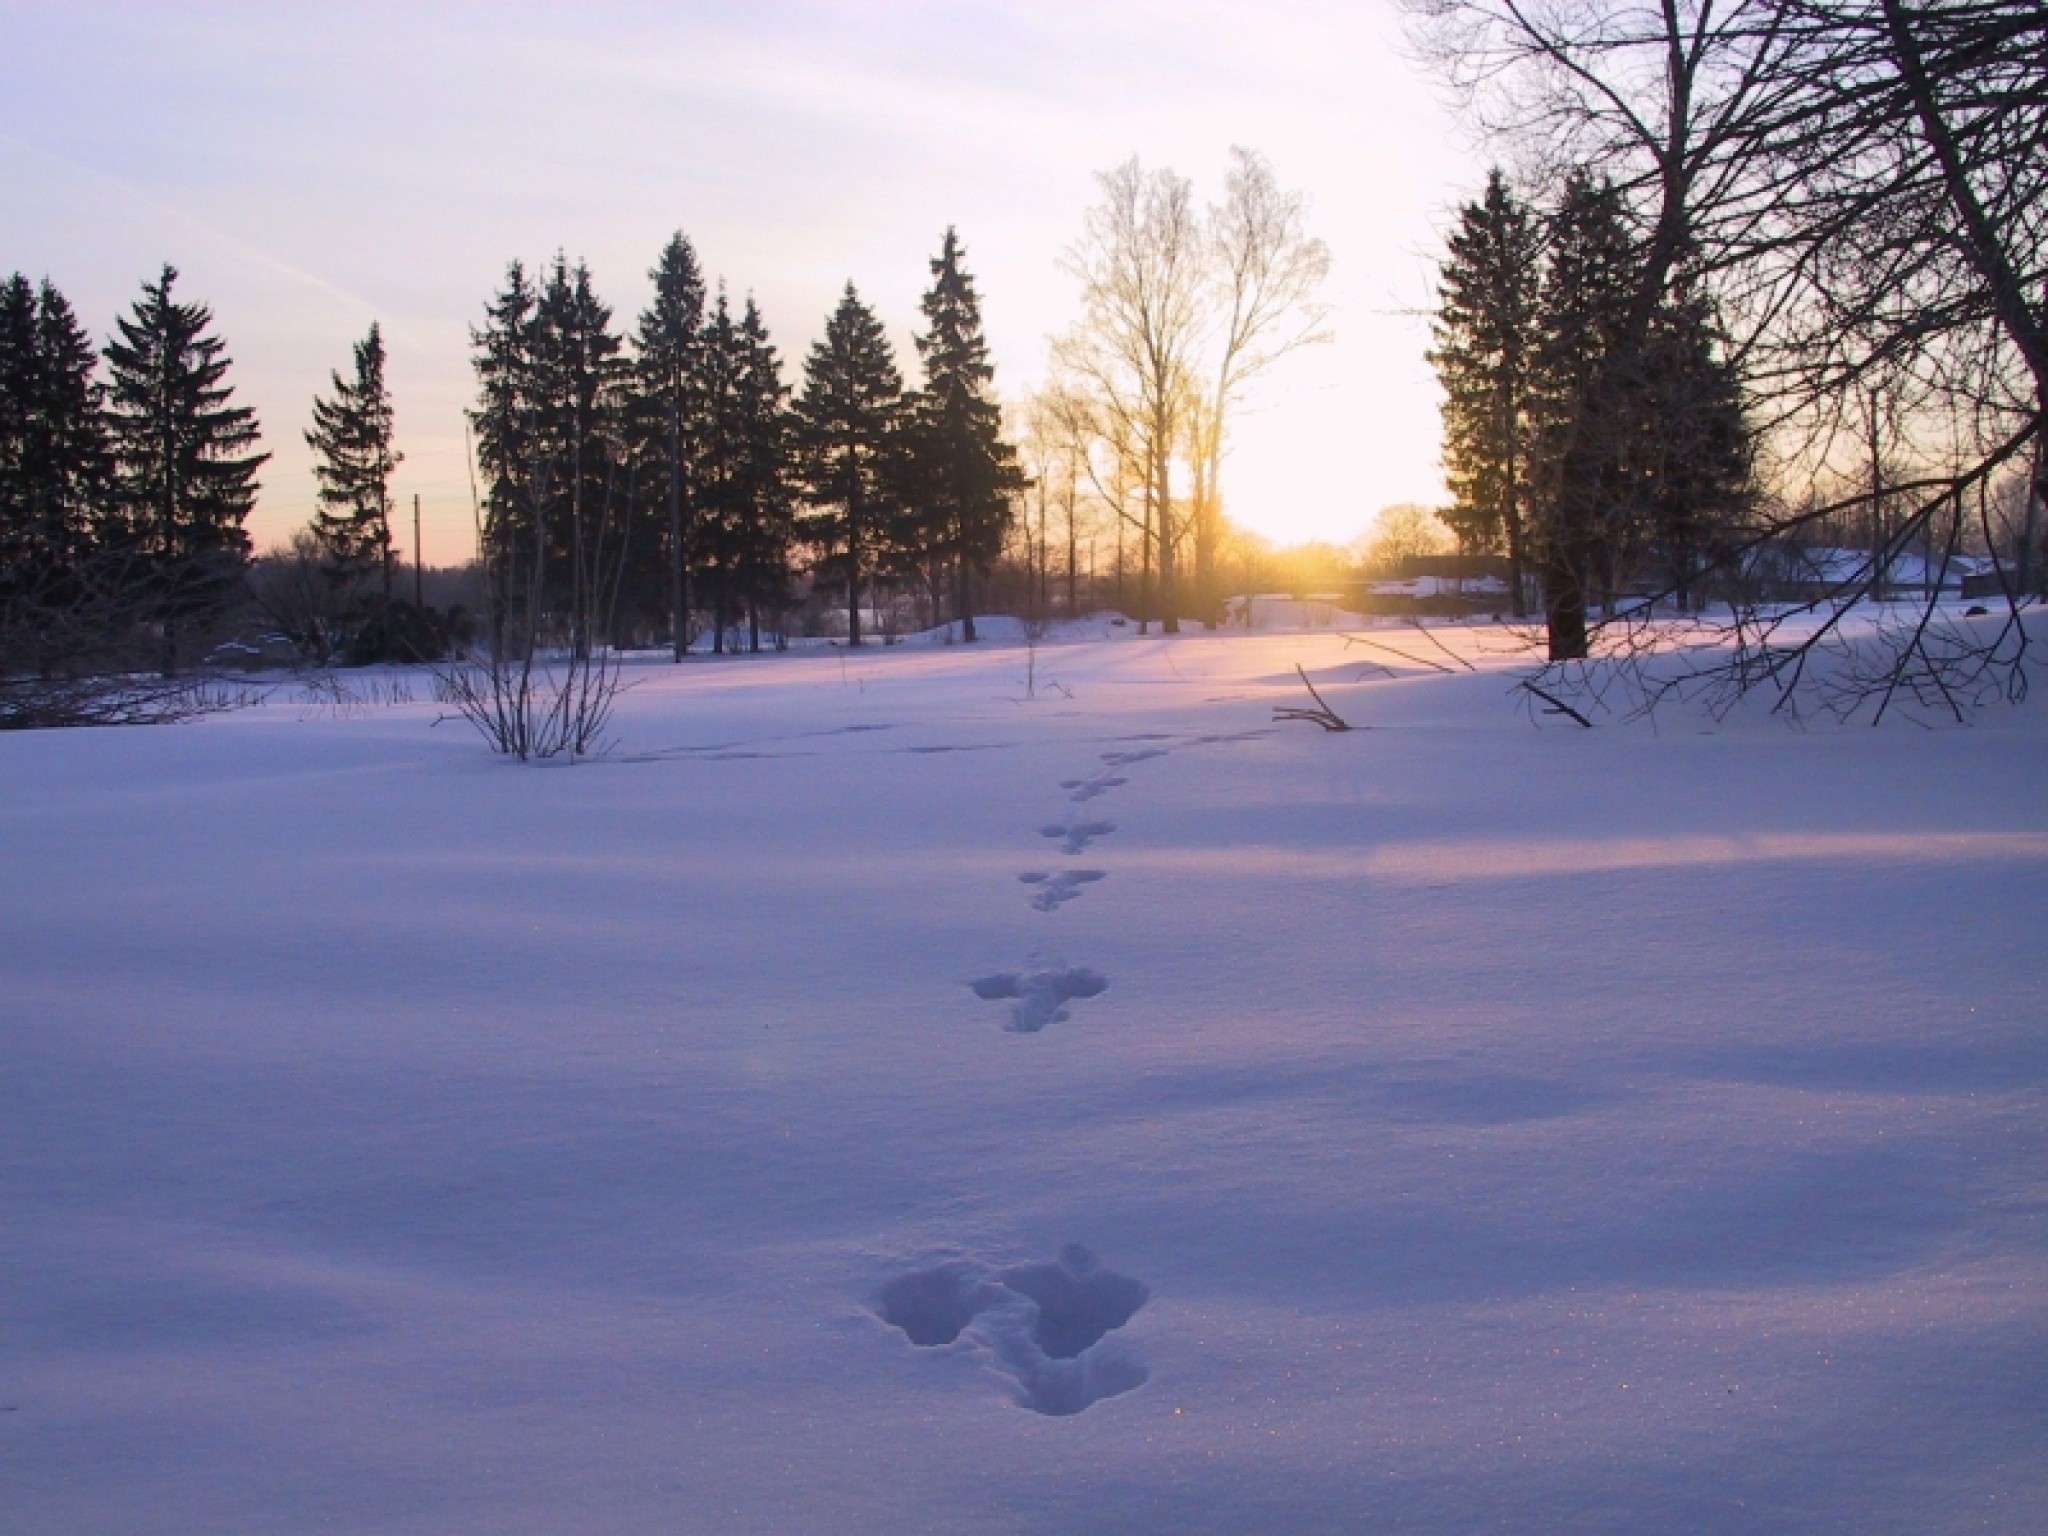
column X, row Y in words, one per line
column 28, row 704
column 524, row 703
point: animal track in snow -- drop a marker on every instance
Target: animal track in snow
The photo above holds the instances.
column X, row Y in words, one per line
column 1078, row 1300
column 1077, row 835
column 1125, row 759
column 1087, row 789
column 1046, row 1325
column 1041, row 997
column 932, row 1306
column 1054, row 890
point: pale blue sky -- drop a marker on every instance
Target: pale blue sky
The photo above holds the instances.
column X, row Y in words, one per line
column 311, row 167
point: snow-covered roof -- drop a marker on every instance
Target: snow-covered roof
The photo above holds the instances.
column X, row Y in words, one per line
column 1438, row 586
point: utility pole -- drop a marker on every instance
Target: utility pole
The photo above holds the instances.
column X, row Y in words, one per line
column 417, row 603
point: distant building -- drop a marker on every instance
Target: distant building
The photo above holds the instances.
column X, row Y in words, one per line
column 1445, row 586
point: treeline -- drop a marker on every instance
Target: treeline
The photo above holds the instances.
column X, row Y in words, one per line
column 123, row 497
column 1598, row 442
column 632, row 482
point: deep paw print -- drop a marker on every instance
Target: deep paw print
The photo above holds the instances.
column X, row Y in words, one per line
column 1046, row 1325
column 1084, row 790
column 1056, row 890
column 1125, row 759
column 1040, row 997
column 1077, row 835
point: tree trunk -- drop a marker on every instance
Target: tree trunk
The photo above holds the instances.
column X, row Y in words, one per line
column 579, row 617
column 1169, row 609
column 852, row 585
column 1120, row 560
column 678, row 567
column 1564, row 606
column 1044, row 559
column 963, row 587
column 1511, row 516
column 1208, row 509
column 2037, row 501
column 1880, row 556
column 1145, row 565
column 1073, row 605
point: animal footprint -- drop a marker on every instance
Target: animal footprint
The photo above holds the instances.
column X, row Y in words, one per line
column 1041, row 996
column 932, row 1306
column 1077, row 835
column 1078, row 1300
column 1125, row 759
column 1054, row 890
column 1087, row 789
column 1046, row 1325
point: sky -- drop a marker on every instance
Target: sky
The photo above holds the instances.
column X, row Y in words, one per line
column 310, row 168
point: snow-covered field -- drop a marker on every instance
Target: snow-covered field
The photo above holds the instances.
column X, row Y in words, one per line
column 874, row 1101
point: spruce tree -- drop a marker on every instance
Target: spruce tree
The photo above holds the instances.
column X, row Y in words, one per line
column 963, row 476
column 745, row 525
column 1692, row 459
column 506, row 418
column 580, row 377
column 1485, row 336
column 185, row 478
column 53, row 472
column 718, row 472
column 669, row 416
column 353, row 461
column 549, row 442
column 1585, row 403
column 849, row 425
column 768, row 526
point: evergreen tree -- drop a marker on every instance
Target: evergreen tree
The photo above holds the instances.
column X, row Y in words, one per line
column 353, row 461
column 963, row 477
column 849, row 424
column 53, row 473
column 719, row 468
column 1692, row 462
column 1639, row 452
column 549, row 443
column 669, row 417
column 1584, row 403
column 185, row 480
column 746, row 527
column 1485, row 336
column 580, row 377
column 506, row 414
column 768, row 526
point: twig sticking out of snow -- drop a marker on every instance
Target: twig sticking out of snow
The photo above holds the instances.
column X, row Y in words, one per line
column 1321, row 715
column 1557, row 705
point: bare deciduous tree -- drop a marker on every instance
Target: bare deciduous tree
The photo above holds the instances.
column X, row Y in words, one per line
column 1267, row 271
column 1182, row 310
column 1142, row 265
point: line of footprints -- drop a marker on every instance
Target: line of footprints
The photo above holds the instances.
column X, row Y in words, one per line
column 1046, row 1325
column 1044, row 995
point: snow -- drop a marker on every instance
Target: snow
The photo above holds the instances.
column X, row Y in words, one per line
column 1281, row 611
column 883, row 1098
